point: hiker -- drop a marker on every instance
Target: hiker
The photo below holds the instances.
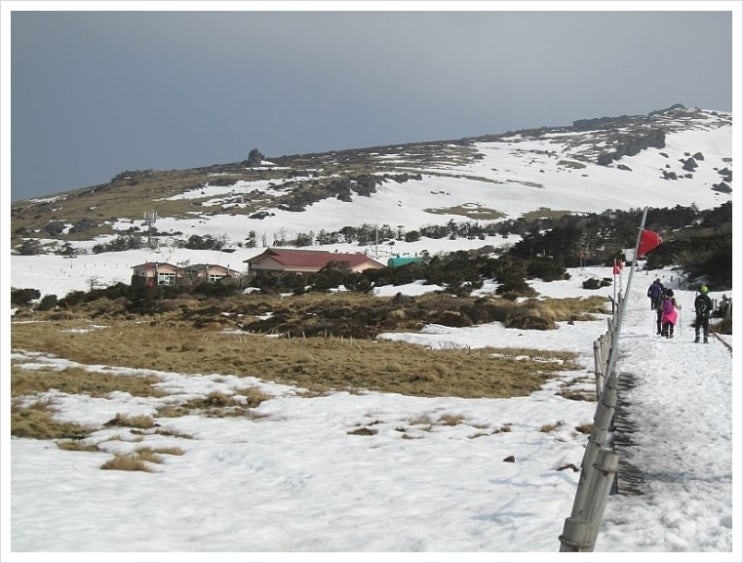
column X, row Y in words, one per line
column 669, row 313
column 658, row 320
column 702, row 307
column 726, row 304
column 655, row 292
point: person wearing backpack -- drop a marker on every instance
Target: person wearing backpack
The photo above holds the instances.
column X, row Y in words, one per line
column 658, row 320
column 655, row 292
column 702, row 308
column 669, row 313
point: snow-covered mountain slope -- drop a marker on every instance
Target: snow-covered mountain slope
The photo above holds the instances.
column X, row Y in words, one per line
column 678, row 156
column 519, row 174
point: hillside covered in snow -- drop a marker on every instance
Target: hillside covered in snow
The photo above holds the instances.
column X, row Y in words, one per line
column 170, row 426
column 395, row 195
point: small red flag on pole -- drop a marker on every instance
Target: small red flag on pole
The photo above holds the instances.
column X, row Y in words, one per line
column 648, row 241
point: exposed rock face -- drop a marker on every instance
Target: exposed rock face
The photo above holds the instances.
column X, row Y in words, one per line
column 722, row 187
column 630, row 146
column 727, row 174
column 255, row 158
column 689, row 164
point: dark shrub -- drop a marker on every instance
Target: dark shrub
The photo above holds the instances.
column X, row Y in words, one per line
column 546, row 268
column 54, row 228
column 21, row 297
column 358, row 283
column 453, row 319
column 595, row 283
column 73, row 298
column 47, row 303
column 119, row 244
column 220, row 288
column 332, row 275
column 207, row 242
column 30, row 247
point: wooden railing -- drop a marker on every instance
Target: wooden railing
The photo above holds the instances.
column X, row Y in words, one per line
column 599, row 465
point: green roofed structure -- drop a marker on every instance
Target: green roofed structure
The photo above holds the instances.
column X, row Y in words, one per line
column 398, row 261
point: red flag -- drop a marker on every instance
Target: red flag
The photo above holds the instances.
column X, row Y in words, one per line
column 648, row 241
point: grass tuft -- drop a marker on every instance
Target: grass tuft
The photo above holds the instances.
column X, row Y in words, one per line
column 363, row 431
column 450, row 419
column 551, row 427
column 132, row 421
column 77, row 446
column 126, row 463
column 37, row 421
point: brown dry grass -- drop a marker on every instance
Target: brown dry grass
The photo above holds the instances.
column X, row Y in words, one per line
column 140, row 459
column 451, row 419
column 174, row 433
column 77, row 446
column 552, row 426
column 546, row 212
column 318, row 364
column 131, row 421
column 78, row 381
column 126, row 463
column 471, row 211
column 219, row 405
column 37, row 421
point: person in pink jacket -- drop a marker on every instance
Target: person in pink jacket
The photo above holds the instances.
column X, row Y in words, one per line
column 669, row 313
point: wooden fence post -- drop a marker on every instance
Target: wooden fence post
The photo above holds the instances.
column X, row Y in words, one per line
column 576, row 535
column 601, row 423
column 599, row 464
column 580, row 532
column 598, row 366
column 601, row 483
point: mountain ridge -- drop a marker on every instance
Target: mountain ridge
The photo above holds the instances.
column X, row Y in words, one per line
column 580, row 168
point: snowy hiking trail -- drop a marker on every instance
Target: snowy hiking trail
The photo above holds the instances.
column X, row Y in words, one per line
column 680, row 408
column 298, row 479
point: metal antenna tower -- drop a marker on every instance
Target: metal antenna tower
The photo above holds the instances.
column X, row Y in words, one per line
column 150, row 217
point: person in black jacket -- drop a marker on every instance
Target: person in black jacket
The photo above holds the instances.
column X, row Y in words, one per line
column 703, row 308
column 655, row 293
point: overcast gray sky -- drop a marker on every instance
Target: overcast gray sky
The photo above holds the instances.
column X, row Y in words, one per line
column 96, row 93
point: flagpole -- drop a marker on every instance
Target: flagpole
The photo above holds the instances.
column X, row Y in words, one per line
column 614, row 271
column 618, row 326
